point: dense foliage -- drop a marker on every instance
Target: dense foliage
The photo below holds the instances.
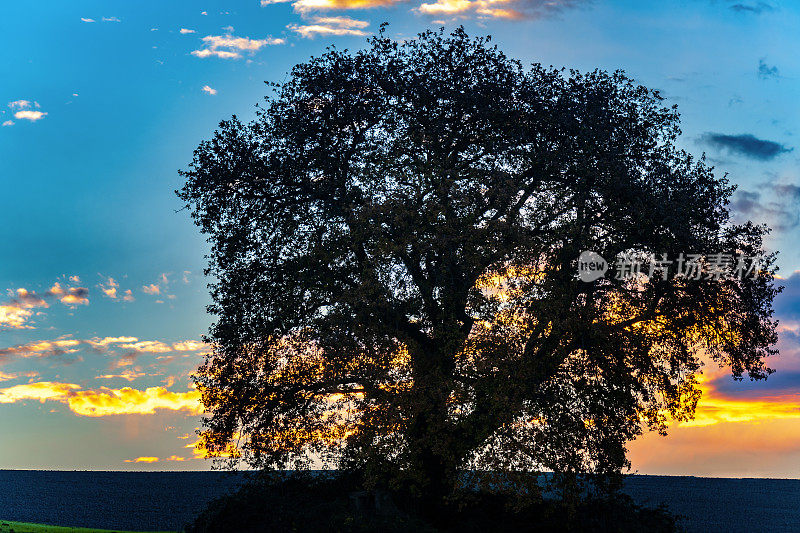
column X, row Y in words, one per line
column 394, row 244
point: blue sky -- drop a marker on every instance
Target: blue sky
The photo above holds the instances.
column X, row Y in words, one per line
column 103, row 102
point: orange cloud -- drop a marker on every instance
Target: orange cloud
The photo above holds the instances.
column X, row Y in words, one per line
column 17, row 375
column 41, row 391
column 127, row 401
column 142, row 460
column 105, row 401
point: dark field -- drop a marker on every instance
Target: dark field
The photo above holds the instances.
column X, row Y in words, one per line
column 110, row 500
column 168, row 500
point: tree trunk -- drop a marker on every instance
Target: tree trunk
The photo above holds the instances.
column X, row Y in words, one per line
column 433, row 454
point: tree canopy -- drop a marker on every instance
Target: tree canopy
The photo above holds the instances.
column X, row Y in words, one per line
column 394, row 244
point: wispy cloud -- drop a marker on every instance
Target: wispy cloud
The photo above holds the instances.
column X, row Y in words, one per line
column 330, row 26
column 20, row 104
column 746, row 145
column 303, row 6
column 776, row 204
column 127, row 348
column 755, row 8
column 209, row 90
column 185, row 31
column 142, row 460
column 83, row 19
column 231, row 47
column 111, row 19
column 498, row 9
column 766, row 72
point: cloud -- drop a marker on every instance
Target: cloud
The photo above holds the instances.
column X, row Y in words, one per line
column 20, row 104
column 147, row 347
column 746, row 145
column 209, row 90
column 498, row 9
column 132, row 346
column 57, row 348
column 86, row 19
column 127, row 375
column 8, row 123
column 766, row 72
column 184, row 31
column 330, row 26
column 756, row 9
column 25, row 111
column 777, row 206
column 304, row 6
column 151, row 289
column 15, row 313
column 109, row 286
column 142, row 460
column 787, row 303
column 162, row 285
column 70, row 295
column 105, row 401
column 27, row 114
column 17, row 375
column 230, row 47
column 128, row 401
column 111, row 19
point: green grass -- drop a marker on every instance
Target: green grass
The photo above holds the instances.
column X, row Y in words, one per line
column 24, row 527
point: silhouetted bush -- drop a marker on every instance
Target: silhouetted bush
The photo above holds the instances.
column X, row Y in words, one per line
column 338, row 504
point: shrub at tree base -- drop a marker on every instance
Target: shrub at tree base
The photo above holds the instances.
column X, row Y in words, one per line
column 338, row 504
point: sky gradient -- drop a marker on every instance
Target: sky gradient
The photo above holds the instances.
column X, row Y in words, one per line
column 102, row 295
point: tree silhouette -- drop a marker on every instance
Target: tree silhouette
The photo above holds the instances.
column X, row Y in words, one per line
column 394, row 244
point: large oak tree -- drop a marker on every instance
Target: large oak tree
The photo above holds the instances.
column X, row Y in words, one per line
column 394, row 240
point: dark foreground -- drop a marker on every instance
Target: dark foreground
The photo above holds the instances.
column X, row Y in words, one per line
column 169, row 500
